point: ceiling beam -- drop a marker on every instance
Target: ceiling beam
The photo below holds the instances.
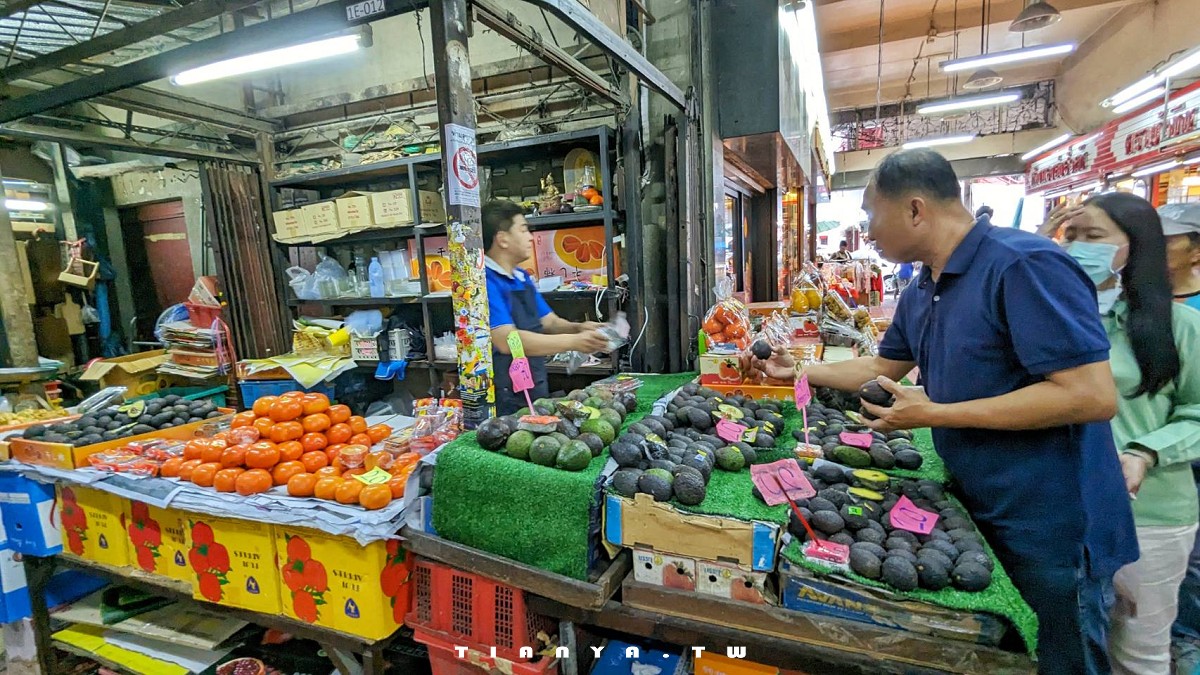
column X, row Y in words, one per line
column 1003, row 12
column 292, row 29
column 59, row 135
column 198, row 11
column 16, row 6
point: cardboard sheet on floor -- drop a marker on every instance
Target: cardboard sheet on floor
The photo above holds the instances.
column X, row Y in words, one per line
column 91, row 639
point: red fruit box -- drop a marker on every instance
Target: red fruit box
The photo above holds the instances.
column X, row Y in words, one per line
column 232, row 562
column 157, row 540
column 92, row 525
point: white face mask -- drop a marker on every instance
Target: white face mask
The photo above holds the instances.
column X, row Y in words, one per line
column 1107, row 298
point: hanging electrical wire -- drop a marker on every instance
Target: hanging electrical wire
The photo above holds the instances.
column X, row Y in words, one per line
column 879, row 67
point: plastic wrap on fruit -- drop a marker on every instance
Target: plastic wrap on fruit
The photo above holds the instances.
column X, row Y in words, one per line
column 839, row 333
column 835, row 306
column 727, row 321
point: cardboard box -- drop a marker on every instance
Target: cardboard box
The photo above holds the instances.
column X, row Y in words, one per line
column 735, row 582
column 289, row 226
column 709, row 663
column 354, row 212
column 642, row 522
column 575, row 253
column 802, row 591
column 336, row 583
column 720, row 369
column 93, row 525
column 232, row 562
column 395, row 208
column 320, row 220
column 135, row 371
column 28, row 515
column 157, row 541
column 756, row 391
column 664, row 569
column 437, row 263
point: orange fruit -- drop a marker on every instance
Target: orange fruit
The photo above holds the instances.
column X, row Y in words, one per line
column 596, row 200
column 396, row 485
column 339, row 433
column 262, row 455
column 253, row 482
column 348, row 491
column 313, row 441
column 290, row 451
column 293, row 395
column 328, row 472
column 263, row 404
column 170, row 468
column 194, row 448
column 406, row 460
column 185, row 469
column 338, row 413
column 226, row 479
column 360, row 439
column 316, row 422
column 379, row 432
column 373, row 497
column 333, row 451
column 264, row 425
column 234, row 456
column 203, row 474
column 327, row 487
column 286, row 431
column 314, row 461
column 357, row 424
column 242, row 419
column 285, row 470
column 381, row 459
column 286, row 410
column 356, row 471
column 314, row 403
column 212, row 452
column 302, row 485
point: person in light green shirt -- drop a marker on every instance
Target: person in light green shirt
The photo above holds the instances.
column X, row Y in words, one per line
column 1155, row 357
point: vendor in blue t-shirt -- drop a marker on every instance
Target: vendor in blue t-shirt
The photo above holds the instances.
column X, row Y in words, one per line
column 1015, row 383
column 514, row 303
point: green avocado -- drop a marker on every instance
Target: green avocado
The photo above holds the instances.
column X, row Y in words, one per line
column 518, row 444
column 853, row 457
column 544, row 451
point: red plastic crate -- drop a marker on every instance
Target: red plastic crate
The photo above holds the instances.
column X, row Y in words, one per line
column 455, row 605
column 444, row 660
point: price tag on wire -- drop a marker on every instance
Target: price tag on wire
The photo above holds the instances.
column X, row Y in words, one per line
column 519, row 372
column 803, row 397
column 730, row 431
column 515, row 345
column 781, row 481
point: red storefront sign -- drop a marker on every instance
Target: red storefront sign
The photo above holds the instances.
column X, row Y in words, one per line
column 1147, row 135
column 1071, row 164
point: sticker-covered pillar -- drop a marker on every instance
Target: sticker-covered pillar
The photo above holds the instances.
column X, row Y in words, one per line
column 456, row 115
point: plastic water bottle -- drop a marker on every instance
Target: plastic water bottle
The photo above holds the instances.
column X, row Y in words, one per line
column 375, row 274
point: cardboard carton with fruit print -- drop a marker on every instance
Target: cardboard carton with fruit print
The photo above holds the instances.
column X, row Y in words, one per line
column 92, row 525
column 576, row 254
column 232, row 562
column 336, row 583
column 157, row 540
column 720, row 369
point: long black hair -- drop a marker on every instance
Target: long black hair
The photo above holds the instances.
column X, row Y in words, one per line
column 1147, row 289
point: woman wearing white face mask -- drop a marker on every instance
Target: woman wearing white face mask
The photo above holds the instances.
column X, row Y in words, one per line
column 1118, row 240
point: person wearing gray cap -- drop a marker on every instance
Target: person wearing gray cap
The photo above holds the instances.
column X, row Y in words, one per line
column 1181, row 226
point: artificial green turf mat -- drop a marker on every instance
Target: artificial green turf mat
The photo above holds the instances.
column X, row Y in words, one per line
column 729, row 494
column 1000, row 598
column 533, row 514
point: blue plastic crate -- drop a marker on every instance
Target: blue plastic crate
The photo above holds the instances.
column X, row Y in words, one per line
column 252, row 390
column 214, row 394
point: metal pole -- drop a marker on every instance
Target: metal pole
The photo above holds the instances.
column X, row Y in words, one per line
column 456, row 115
column 14, row 310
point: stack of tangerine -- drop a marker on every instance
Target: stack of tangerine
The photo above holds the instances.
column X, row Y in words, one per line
column 299, row 440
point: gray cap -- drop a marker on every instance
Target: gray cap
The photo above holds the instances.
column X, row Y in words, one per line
column 1180, row 219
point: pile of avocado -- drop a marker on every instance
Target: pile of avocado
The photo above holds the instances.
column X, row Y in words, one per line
column 894, row 450
column 581, row 425
column 115, row 422
column 851, row 507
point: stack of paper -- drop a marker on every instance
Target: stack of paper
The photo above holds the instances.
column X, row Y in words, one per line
column 192, row 350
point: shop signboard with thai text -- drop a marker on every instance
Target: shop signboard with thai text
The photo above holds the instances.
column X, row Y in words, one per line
column 1066, row 166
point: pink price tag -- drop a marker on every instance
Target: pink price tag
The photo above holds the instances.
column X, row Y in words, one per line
column 522, row 378
column 830, row 551
column 907, row 516
column 785, row 473
column 730, row 431
column 803, row 392
column 856, row 440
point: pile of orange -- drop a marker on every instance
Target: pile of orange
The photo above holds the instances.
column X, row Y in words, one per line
column 728, row 322
column 593, row 196
column 297, row 440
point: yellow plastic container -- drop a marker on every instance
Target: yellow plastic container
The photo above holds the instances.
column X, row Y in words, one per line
column 92, row 525
column 336, row 583
column 232, row 562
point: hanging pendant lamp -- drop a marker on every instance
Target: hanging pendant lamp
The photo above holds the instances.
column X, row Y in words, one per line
column 982, row 79
column 1035, row 16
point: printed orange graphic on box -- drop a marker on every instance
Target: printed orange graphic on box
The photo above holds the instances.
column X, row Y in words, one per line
column 92, row 525
column 437, row 263
column 336, row 583
column 157, row 540
column 576, row 254
column 232, row 562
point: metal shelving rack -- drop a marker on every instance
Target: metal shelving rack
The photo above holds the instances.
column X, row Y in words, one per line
column 410, row 172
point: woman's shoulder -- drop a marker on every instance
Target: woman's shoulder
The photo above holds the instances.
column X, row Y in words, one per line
column 1185, row 321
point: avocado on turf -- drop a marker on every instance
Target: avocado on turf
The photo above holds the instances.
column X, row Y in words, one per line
column 899, row 573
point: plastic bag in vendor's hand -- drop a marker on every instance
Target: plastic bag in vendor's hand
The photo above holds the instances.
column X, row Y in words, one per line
column 727, row 321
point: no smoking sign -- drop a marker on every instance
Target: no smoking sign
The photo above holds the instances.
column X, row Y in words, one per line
column 464, row 166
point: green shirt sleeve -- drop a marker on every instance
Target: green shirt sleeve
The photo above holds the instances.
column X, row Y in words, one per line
column 1179, row 439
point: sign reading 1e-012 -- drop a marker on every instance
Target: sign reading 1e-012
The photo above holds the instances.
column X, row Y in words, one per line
column 366, row 9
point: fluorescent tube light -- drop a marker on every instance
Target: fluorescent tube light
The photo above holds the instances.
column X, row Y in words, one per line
column 1010, row 56
column 965, row 102
column 25, row 205
column 1157, row 168
column 275, row 58
column 1139, row 101
column 1182, row 65
column 1045, row 146
column 940, row 140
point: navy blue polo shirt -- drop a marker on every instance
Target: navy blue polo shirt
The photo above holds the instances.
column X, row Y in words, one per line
column 1009, row 309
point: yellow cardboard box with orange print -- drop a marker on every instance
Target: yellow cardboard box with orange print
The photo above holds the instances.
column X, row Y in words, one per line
column 336, row 583
column 92, row 525
column 157, row 540
column 232, row 562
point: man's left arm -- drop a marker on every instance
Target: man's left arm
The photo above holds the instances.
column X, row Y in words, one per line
column 556, row 325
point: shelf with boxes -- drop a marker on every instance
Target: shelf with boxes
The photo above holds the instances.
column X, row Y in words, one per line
column 576, row 254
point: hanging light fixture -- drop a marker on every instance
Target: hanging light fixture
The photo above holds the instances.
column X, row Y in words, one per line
column 1035, row 16
column 982, row 79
